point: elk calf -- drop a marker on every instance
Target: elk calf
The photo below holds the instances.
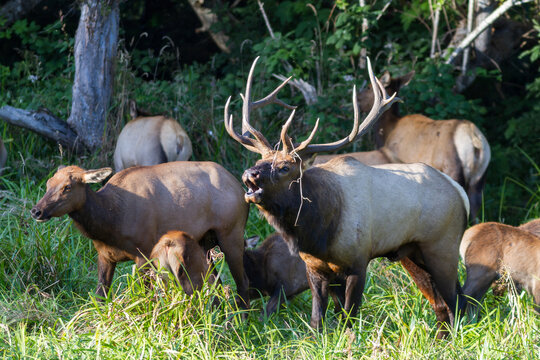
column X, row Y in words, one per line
column 137, row 206
column 273, row 271
column 183, row 256
column 3, row 156
column 489, row 249
column 150, row 141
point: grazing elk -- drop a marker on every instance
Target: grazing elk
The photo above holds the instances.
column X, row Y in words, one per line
column 184, row 257
column 273, row 271
column 341, row 214
column 489, row 249
column 128, row 215
column 455, row 147
column 150, row 140
column 3, row 156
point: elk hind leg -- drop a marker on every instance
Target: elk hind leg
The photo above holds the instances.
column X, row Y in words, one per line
column 426, row 286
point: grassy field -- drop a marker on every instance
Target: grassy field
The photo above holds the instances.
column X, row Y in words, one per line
column 47, row 311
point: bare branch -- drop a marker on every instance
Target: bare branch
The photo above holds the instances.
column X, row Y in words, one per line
column 483, row 26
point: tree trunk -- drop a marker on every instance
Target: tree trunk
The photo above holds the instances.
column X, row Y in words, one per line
column 95, row 52
column 42, row 122
column 13, row 10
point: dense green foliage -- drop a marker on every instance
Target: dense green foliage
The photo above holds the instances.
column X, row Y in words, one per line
column 48, row 270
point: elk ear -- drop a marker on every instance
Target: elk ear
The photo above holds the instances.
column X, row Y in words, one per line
column 251, row 242
column 95, row 176
column 405, row 79
column 132, row 109
column 385, row 79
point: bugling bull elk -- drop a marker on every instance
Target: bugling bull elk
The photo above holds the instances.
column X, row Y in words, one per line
column 150, row 140
column 341, row 214
column 128, row 215
column 3, row 156
column 455, row 147
column 489, row 249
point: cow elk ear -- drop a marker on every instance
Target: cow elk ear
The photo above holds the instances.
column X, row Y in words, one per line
column 405, row 79
column 252, row 242
column 95, row 176
column 385, row 79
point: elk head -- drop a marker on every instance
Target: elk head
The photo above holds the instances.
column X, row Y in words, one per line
column 277, row 169
column 66, row 191
column 390, row 84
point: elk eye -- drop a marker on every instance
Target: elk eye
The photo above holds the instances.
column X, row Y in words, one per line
column 284, row 169
column 66, row 188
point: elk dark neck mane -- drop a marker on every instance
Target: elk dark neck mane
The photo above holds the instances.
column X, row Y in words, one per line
column 320, row 212
column 96, row 218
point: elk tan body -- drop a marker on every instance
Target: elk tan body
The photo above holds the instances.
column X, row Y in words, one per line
column 137, row 206
column 341, row 214
column 183, row 256
column 455, row 147
column 150, row 141
column 3, row 156
column 273, row 271
column 490, row 249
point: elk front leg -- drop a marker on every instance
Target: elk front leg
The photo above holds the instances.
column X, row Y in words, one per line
column 275, row 300
column 354, row 288
column 105, row 276
column 319, row 293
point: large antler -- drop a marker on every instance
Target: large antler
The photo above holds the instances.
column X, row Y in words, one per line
column 259, row 144
column 381, row 103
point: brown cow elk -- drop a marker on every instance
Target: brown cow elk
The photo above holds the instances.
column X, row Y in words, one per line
column 341, row 214
column 3, row 156
column 455, row 147
column 128, row 215
column 184, row 257
column 489, row 249
column 151, row 140
column 273, row 271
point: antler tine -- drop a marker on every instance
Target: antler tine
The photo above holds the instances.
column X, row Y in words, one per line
column 307, row 149
column 248, row 143
column 306, row 142
column 381, row 102
column 285, row 139
column 272, row 98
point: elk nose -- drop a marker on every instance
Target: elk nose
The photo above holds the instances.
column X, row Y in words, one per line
column 36, row 213
column 250, row 174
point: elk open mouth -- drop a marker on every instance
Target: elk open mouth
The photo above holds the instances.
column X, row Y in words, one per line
column 253, row 193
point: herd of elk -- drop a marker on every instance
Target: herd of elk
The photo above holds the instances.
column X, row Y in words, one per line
column 3, row 156
column 403, row 201
column 341, row 214
column 491, row 249
column 150, row 140
column 273, row 271
column 137, row 206
column 455, row 147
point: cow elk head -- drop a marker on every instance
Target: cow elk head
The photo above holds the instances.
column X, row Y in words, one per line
column 278, row 168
